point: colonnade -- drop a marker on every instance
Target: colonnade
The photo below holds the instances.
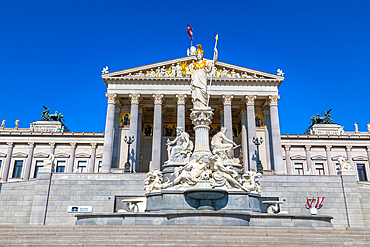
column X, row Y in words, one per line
column 248, row 130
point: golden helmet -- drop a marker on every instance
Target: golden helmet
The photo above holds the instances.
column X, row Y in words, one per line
column 200, row 50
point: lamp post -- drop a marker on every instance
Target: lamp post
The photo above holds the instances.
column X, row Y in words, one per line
column 258, row 142
column 129, row 141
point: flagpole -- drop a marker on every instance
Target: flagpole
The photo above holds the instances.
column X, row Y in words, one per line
column 213, row 65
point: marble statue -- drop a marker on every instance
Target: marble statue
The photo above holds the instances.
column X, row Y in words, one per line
column 223, row 175
column 49, row 163
column 344, row 165
column 280, row 72
column 198, row 72
column 140, row 73
column 154, row 181
column 159, row 72
column 356, row 127
column 173, row 70
column 105, row 70
column 221, row 149
column 178, row 69
column 191, row 173
column 16, row 123
column 224, row 73
column 3, row 123
column 180, row 153
column 250, row 181
column 368, row 126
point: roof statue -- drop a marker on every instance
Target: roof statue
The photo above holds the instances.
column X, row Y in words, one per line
column 280, row 72
column 46, row 116
column 105, row 70
column 322, row 120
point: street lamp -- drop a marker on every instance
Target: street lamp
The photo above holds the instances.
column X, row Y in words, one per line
column 258, row 142
column 129, row 141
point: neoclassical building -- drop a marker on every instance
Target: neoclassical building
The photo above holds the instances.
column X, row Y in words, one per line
column 150, row 101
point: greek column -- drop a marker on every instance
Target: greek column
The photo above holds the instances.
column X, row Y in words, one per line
column 308, row 159
column 115, row 135
column 275, row 133
column 244, row 138
column 251, row 129
column 92, row 158
column 349, row 156
column 27, row 167
column 71, row 161
column 181, row 99
column 7, row 162
column 138, row 141
column 228, row 119
column 52, row 147
column 331, row 168
column 157, row 132
column 109, row 132
column 134, row 120
column 268, row 139
column 288, row 161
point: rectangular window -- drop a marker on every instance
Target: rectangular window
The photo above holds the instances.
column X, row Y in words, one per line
column 361, row 172
column 319, row 169
column 99, row 168
column 39, row 164
column 82, row 166
column 298, row 168
column 17, row 172
column 61, row 166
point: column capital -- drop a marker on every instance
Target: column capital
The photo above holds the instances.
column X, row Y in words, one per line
column 328, row 147
column 52, row 144
column 307, row 147
column 348, row 148
column 287, row 147
column 73, row 144
column 227, row 99
column 10, row 144
column 181, row 98
column 135, row 98
column 158, row 98
column 273, row 99
column 31, row 144
column 93, row 145
column 249, row 99
column 243, row 110
column 111, row 97
column 367, row 148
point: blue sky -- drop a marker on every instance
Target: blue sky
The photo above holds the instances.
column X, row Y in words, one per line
column 52, row 53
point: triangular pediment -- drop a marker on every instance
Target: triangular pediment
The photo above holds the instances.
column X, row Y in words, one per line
column 2, row 154
column 40, row 155
column 61, row 155
column 99, row 155
column 318, row 157
column 170, row 70
column 19, row 155
column 297, row 157
column 335, row 158
column 83, row 155
column 360, row 158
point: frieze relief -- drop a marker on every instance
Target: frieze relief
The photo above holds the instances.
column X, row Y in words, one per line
column 181, row 70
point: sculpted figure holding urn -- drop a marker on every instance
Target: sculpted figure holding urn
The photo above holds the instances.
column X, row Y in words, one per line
column 198, row 71
column 179, row 153
column 221, row 149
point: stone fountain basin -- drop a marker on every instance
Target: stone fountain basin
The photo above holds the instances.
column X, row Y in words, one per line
column 206, row 194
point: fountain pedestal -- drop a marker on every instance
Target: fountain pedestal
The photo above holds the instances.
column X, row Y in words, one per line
column 202, row 118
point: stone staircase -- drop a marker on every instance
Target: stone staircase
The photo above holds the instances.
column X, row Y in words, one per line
column 25, row 235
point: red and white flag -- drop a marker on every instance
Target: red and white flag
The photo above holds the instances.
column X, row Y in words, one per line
column 190, row 31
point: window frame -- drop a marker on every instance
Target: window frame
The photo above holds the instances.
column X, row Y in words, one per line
column 65, row 165
column 14, row 166
column 302, row 168
column 321, row 169
column 82, row 160
column 364, row 171
column 34, row 167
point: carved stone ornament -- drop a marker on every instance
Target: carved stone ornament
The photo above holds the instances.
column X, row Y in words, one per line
column 52, row 144
column 201, row 118
column 10, row 144
column 73, row 144
column 31, row 144
column 273, row 99
column 344, row 165
column 158, row 98
column 328, row 147
column 227, row 99
column 111, row 97
column 307, row 147
column 368, row 148
column 348, row 148
column 249, row 99
column 287, row 147
column 181, row 98
column 93, row 145
column 135, row 98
